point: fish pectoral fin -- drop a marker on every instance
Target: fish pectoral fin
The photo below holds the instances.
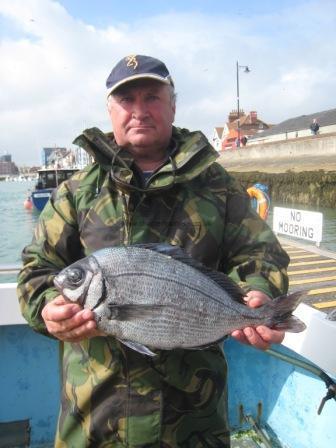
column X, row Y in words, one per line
column 133, row 311
column 138, row 347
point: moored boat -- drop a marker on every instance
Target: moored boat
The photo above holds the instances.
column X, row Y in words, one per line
column 58, row 165
column 48, row 180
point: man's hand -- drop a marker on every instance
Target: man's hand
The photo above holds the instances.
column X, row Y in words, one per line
column 68, row 321
column 260, row 337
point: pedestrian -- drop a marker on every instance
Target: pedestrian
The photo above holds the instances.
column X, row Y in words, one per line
column 150, row 182
column 314, row 127
column 243, row 140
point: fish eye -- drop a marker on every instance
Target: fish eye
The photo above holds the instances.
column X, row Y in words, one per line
column 75, row 276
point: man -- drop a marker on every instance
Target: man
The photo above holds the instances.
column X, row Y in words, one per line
column 314, row 127
column 151, row 182
column 243, row 140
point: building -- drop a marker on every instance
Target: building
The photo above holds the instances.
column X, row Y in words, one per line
column 217, row 138
column 58, row 157
column 249, row 124
column 6, row 158
column 7, row 167
column 50, row 156
column 297, row 127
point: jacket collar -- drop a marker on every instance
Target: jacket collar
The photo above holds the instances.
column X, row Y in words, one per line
column 191, row 155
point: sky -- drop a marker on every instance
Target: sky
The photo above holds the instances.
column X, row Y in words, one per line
column 55, row 56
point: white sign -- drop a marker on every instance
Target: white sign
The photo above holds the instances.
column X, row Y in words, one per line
column 42, row 195
column 298, row 223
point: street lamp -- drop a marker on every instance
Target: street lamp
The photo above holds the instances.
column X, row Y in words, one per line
column 246, row 70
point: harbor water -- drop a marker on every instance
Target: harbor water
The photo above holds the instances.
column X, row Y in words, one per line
column 17, row 224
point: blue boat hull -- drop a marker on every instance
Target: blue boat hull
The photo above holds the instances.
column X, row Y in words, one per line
column 41, row 197
column 288, row 397
column 48, row 180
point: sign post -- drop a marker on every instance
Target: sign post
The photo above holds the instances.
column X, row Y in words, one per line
column 298, row 223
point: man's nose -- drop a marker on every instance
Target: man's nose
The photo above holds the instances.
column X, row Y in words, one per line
column 140, row 109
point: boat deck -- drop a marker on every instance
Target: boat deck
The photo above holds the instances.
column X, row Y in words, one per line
column 312, row 269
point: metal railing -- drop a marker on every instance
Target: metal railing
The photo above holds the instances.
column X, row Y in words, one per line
column 9, row 269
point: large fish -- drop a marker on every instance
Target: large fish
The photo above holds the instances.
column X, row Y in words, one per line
column 154, row 295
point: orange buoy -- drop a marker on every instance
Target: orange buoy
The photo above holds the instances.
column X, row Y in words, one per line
column 262, row 201
column 28, row 204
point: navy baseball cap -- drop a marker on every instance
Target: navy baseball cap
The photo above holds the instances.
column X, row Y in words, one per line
column 134, row 67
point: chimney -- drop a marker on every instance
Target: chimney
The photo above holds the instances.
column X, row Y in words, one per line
column 233, row 115
column 254, row 116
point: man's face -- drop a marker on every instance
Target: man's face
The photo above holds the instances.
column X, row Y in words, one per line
column 142, row 114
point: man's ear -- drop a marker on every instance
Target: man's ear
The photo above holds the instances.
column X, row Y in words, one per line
column 108, row 104
column 174, row 111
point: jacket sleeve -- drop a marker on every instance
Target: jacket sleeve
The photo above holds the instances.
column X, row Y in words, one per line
column 55, row 244
column 252, row 255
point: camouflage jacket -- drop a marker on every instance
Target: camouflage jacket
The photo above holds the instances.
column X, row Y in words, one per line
column 111, row 395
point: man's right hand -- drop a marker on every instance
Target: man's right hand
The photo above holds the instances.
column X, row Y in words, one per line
column 68, row 321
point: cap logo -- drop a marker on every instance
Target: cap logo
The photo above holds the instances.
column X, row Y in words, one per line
column 132, row 61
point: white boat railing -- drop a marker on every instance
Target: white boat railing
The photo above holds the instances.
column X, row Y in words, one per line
column 9, row 269
column 314, row 343
column 10, row 313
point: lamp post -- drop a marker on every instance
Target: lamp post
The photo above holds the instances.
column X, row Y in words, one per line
column 246, row 70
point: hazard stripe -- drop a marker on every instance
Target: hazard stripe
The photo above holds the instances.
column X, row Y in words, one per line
column 325, row 304
column 296, row 251
column 312, row 280
column 304, row 263
column 301, row 257
column 312, row 271
column 313, row 292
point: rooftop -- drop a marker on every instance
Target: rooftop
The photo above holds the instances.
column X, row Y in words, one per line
column 324, row 118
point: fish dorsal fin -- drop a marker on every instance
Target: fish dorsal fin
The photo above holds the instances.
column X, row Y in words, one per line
column 176, row 252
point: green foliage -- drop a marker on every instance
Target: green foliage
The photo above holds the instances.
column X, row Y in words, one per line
column 245, row 435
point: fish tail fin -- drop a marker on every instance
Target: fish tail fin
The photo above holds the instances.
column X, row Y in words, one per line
column 282, row 318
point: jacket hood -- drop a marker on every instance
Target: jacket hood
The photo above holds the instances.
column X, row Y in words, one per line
column 191, row 155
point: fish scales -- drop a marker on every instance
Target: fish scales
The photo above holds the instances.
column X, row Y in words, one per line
column 168, row 282
column 155, row 299
column 162, row 277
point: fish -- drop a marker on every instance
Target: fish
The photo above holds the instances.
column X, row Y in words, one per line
column 156, row 296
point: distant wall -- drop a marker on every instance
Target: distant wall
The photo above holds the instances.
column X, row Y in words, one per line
column 301, row 146
column 314, row 188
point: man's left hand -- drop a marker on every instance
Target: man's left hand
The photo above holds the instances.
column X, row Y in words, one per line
column 260, row 337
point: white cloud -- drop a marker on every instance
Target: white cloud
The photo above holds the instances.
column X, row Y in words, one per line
column 53, row 69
